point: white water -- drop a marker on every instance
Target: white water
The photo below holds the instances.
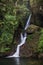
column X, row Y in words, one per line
column 28, row 22
column 23, row 39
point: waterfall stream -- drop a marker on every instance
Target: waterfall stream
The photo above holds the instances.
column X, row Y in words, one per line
column 23, row 39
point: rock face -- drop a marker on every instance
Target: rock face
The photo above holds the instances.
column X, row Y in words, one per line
column 37, row 11
column 36, row 6
column 31, row 44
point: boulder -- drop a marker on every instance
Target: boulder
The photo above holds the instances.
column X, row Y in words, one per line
column 32, row 29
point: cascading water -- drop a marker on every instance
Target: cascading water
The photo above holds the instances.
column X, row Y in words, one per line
column 23, row 39
column 28, row 22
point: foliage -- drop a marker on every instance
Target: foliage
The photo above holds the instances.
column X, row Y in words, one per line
column 40, row 44
column 8, row 24
column 10, row 17
column 22, row 14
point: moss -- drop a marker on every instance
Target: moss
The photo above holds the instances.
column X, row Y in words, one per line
column 33, row 39
column 40, row 44
column 30, row 37
column 10, row 18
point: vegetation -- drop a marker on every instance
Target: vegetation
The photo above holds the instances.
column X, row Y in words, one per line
column 11, row 15
column 8, row 23
column 37, row 9
column 40, row 44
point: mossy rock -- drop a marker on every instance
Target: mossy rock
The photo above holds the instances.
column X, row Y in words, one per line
column 32, row 29
column 31, row 45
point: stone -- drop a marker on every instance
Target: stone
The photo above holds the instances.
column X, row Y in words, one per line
column 32, row 28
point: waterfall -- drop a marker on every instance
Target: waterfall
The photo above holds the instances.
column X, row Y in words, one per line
column 28, row 22
column 23, row 39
